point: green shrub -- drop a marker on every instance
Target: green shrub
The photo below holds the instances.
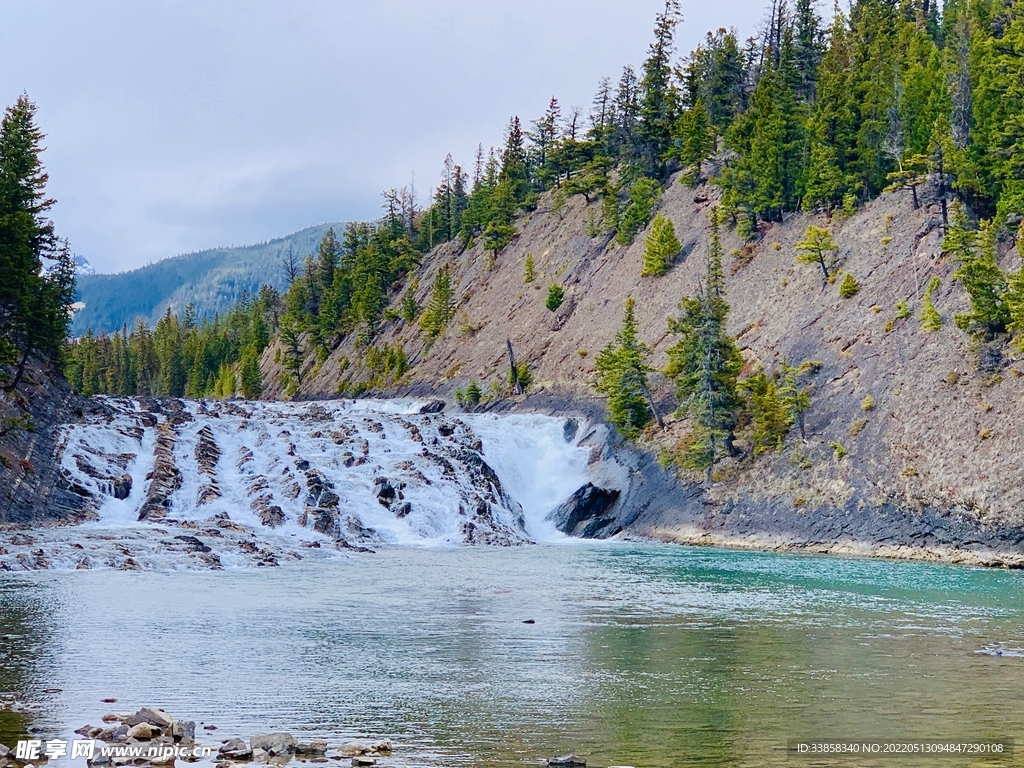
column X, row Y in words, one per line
column 523, row 374
column 849, row 287
column 556, row 295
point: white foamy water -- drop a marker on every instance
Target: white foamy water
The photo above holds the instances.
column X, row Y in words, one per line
column 231, row 484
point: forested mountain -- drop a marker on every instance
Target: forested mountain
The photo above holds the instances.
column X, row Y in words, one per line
column 801, row 120
column 211, row 280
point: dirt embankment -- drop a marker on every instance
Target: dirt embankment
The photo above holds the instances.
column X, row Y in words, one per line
column 32, row 490
column 911, row 449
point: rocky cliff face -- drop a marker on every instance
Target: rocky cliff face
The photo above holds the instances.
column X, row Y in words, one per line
column 32, row 488
column 913, row 447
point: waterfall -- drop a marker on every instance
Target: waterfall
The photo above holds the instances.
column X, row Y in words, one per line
column 269, row 480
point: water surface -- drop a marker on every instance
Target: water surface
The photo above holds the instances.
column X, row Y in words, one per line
column 641, row 655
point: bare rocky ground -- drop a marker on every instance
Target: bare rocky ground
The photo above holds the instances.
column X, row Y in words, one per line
column 929, row 466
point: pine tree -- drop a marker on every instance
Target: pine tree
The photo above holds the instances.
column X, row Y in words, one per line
column 441, row 305
column 409, row 308
column 694, row 137
column 833, row 127
column 622, row 377
column 795, row 399
column 816, row 247
column 33, row 304
column 529, row 271
column 473, row 394
column 705, row 364
column 250, row 375
column 659, row 99
column 662, row 247
column 849, row 287
column 768, row 177
column 931, row 320
column 980, row 275
column 1015, row 308
column 642, row 195
column 767, row 411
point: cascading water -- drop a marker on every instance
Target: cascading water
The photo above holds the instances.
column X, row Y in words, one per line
column 197, row 484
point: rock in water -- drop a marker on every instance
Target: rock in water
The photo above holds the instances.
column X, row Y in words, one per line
column 123, row 487
column 156, row 717
column 434, row 406
column 235, row 749
column 587, row 505
column 273, row 743
column 568, row 761
column 142, row 731
column 569, row 429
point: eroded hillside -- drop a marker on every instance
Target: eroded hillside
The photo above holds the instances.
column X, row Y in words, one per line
column 907, row 437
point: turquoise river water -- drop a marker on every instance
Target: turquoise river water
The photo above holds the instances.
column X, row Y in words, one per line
column 640, row 654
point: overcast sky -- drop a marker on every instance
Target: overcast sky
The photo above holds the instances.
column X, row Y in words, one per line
column 178, row 126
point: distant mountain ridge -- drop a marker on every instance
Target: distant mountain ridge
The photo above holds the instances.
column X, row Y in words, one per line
column 213, row 280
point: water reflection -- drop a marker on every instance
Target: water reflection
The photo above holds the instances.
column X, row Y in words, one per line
column 28, row 644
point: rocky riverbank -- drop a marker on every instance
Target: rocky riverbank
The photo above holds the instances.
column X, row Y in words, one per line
column 152, row 737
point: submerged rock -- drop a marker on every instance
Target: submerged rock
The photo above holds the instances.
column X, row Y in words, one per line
column 568, row 761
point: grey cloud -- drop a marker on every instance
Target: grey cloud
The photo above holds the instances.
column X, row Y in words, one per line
column 174, row 126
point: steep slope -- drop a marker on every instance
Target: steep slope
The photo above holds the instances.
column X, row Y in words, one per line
column 212, row 279
column 931, row 469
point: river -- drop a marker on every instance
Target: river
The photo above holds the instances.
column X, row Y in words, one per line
column 641, row 655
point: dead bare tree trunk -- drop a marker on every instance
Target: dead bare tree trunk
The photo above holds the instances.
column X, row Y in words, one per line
column 650, row 403
column 517, row 388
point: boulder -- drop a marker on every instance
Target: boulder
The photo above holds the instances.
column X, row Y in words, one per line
column 123, row 487
column 273, row 743
column 383, row 746
column 4, row 751
column 142, row 732
column 384, row 491
column 183, row 730
column 325, row 521
column 260, row 755
column 434, row 406
column 235, row 749
column 588, row 503
column 362, row 761
column 193, row 544
column 110, row 717
column 314, row 747
column 569, row 429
